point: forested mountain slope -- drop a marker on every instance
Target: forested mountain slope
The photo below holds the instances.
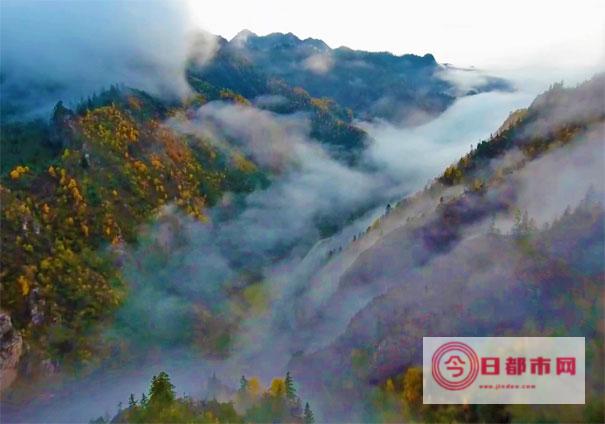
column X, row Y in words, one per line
column 76, row 188
column 397, row 88
column 74, row 193
column 508, row 241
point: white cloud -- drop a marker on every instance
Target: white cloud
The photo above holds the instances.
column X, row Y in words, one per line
column 414, row 155
column 319, row 63
column 71, row 49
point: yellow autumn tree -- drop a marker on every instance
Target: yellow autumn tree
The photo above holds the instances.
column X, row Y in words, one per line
column 278, row 387
column 18, row 171
column 412, row 386
column 254, row 387
column 389, row 386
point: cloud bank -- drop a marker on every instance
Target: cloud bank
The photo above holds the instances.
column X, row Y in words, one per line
column 66, row 50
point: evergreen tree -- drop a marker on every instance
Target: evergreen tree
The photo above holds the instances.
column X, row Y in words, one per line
column 290, row 390
column 308, row 417
column 243, row 384
column 143, row 400
column 162, row 390
column 132, row 403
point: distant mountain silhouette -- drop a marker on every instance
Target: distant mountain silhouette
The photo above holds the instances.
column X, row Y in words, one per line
column 403, row 88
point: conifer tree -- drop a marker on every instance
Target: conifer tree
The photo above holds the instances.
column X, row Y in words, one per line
column 290, row 390
column 132, row 403
column 243, row 384
column 308, row 417
column 162, row 390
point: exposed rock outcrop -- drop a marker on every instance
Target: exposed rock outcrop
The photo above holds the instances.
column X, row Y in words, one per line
column 11, row 349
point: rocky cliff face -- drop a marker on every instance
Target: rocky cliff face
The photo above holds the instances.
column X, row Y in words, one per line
column 11, row 349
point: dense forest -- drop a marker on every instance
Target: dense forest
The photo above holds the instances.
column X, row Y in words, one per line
column 250, row 403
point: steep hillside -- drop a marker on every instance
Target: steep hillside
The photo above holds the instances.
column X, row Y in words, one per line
column 490, row 243
column 74, row 194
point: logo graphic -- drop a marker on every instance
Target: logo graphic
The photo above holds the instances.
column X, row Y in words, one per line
column 455, row 366
column 503, row 370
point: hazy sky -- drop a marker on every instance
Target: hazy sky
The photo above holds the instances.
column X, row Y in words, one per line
column 483, row 33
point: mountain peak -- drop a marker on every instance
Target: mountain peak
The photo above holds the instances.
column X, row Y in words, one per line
column 243, row 35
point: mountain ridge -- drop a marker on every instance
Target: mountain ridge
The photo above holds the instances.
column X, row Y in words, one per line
column 372, row 84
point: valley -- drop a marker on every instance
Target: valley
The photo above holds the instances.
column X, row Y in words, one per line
column 267, row 231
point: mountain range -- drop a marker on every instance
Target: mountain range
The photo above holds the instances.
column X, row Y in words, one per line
column 405, row 88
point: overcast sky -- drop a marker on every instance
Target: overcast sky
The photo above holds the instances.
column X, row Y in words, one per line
column 503, row 34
